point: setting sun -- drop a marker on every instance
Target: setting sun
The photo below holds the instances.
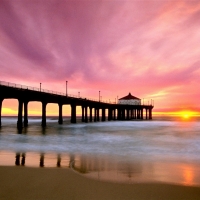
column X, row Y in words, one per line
column 186, row 115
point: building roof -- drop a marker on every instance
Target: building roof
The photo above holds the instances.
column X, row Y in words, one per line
column 129, row 97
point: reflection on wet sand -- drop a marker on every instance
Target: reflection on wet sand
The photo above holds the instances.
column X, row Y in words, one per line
column 50, row 159
column 188, row 175
column 59, row 160
column 103, row 168
column 42, row 160
column 107, row 169
column 17, row 160
column 94, row 167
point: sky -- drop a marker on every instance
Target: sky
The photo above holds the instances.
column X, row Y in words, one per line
column 149, row 48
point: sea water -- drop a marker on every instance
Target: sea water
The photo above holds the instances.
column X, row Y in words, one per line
column 163, row 149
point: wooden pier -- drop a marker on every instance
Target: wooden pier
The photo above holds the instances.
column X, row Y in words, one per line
column 26, row 94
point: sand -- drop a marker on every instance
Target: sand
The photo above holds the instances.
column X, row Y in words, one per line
column 24, row 183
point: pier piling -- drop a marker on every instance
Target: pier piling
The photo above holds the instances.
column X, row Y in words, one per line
column 20, row 111
column 44, row 104
column 25, row 113
column 60, row 118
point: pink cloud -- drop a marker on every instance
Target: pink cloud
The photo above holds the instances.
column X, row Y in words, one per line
column 117, row 47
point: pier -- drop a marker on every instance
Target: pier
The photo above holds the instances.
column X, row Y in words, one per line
column 109, row 111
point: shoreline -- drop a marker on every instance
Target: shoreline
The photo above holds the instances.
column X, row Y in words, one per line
column 19, row 182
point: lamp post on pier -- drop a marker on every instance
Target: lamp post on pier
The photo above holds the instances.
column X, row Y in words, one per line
column 40, row 86
column 66, row 88
column 99, row 96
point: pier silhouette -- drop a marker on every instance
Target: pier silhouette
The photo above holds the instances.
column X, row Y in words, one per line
column 26, row 94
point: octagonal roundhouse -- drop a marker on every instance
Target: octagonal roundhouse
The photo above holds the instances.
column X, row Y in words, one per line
column 129, row 100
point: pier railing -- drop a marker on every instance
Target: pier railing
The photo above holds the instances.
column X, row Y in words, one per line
column 14, row 85
column 18, row 86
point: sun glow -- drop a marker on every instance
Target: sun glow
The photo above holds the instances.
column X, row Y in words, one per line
column 187, row 114
column 188, row 175
column 184, row 114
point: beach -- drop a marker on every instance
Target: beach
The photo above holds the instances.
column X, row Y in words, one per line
column 52, row 183
column 136, row 160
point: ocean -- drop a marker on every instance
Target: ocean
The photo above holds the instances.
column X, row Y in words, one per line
column 165, row 149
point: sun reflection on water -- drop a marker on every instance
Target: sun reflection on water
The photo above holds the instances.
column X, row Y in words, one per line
column 188, row 176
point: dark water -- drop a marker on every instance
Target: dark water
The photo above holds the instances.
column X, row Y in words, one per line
column 164, row 149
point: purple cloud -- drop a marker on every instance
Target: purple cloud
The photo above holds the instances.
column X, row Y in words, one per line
column 134, row 46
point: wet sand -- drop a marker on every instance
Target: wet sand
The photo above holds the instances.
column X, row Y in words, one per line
column 18, row 183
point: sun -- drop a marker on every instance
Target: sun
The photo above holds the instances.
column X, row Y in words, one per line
column 186, row 115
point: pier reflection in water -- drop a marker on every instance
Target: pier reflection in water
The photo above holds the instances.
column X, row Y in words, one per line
column 41, row 160
column 20, row 159
column 107, row 169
